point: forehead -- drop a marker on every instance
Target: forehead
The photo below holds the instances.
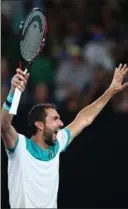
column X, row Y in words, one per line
column 52, row 113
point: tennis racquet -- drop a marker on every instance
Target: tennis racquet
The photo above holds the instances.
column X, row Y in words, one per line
column 32, row 41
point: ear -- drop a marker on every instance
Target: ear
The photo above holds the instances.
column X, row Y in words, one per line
column 39, row 125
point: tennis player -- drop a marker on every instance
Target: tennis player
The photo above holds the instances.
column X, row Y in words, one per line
column 33, row 164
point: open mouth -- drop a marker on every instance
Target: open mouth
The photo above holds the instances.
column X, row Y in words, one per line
column 55, row 134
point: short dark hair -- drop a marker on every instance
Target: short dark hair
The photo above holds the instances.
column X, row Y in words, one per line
column 38, row 113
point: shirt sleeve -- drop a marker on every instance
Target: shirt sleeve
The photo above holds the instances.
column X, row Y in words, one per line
column 15, row 152
column 11, row 152
column 63, row 137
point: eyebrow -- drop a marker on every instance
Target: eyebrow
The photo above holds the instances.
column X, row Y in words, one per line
column 56, row 117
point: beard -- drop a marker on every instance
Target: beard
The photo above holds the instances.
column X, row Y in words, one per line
column 48, row 135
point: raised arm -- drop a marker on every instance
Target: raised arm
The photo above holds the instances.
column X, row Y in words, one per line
column 9, row 134
column 87, row 115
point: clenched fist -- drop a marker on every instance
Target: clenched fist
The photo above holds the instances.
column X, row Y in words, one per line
column 19, row 80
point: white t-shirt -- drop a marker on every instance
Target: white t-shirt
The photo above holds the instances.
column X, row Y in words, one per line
column 33, row 173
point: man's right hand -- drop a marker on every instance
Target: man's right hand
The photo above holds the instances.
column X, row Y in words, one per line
column 19, row 80
column 8, row 132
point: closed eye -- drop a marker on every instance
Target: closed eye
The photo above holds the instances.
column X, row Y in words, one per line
column 56, row 118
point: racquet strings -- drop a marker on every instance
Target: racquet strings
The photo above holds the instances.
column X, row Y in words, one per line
column 33, row 34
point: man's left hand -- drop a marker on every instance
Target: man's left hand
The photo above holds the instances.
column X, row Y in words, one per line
column 119, row 75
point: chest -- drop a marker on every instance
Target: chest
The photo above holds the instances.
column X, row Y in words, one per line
column 39, row 169
column 41, row 178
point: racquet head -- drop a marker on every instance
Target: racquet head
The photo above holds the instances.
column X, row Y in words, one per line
column 33, row 35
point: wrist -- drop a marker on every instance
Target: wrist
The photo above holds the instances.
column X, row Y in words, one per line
column 12, row 90
column 111, row 91
column 7, row 104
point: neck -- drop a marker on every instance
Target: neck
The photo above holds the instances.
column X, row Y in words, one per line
column 39, row 140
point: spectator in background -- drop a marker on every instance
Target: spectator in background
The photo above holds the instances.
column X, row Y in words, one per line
column 9, row 43
column 5, row 72
column 9, row 8
column 120, row 102
column 98, row 51
column 5, row 78
column 72, row 74
column 73, row 36
column 96, row 87
column 4, row 93
column 41, row 93
column 22, row 8
column 42, row 71
column 74, row 33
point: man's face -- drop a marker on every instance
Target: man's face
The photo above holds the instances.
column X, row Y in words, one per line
column 52, row 125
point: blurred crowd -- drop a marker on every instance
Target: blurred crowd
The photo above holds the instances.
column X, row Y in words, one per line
column 86, row 40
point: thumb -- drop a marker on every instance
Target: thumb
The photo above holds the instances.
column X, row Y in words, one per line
column 125, row 85
column 27, row 76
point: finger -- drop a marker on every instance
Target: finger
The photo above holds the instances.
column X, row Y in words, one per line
column 121, row 73
column 124, row 72
column 20, row 77
column 18, row 70
column 26, row 80
column 119, row 67
column 20, row 88
column 27, row 76
column 125, row 85
column 124, row 68
column 16, row 84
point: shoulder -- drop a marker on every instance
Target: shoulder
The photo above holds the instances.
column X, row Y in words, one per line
column 63, row 133
column 63, row 137
column 20, row 145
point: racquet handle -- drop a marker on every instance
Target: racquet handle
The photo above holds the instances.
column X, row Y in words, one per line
column 16, row 100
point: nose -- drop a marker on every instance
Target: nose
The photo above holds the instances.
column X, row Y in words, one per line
column 61, row 124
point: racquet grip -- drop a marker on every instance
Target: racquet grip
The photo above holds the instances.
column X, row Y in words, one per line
column 16, row 100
